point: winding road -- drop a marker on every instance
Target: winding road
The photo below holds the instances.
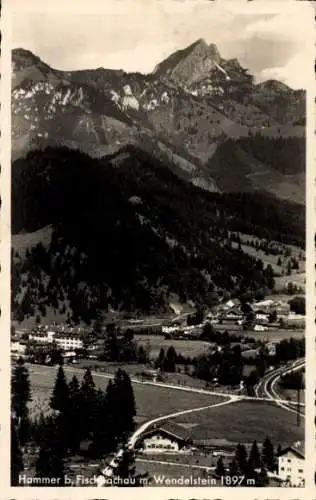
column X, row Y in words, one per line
column 267, row 386
column 264, row 391
column 109, row 469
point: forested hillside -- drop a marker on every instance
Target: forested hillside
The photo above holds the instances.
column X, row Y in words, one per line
column 127, row 232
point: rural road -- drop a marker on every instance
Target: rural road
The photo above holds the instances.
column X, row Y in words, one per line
column 179, row 464
column 133, row 439
column 79, row 371
column 267, row 385
column 109, row 469
column 268, row 390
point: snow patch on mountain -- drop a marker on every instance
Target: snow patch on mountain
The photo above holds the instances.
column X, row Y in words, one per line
column 43, row 96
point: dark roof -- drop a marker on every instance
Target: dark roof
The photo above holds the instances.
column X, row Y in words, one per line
column 171, row 429
column 297, row 450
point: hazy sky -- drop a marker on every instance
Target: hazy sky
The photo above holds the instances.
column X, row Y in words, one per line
column 136, row 35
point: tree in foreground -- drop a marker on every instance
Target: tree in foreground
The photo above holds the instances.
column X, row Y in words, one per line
column 234, row 468
column 126, row 470
column 254, row 461
column 220, row 469
column 50, row 465
column 262, row 478
column 60, row 398
column 268, row 456
column 20, row 388
column 17, row 465
column 105, row 435
column 124, row 398
column 88, row 403
column 20, row 396
column 73, row 415
column 241, row 458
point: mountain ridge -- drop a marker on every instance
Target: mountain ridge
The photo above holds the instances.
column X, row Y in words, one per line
column 182, row 118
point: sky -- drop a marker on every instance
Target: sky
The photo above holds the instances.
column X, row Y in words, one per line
column 135, row 35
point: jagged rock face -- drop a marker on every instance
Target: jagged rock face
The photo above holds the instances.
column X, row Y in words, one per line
column 40, row 103
column 129, row 101
column 192, row 101
column 191, row 64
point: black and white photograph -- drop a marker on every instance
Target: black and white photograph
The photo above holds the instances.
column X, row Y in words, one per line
column 158, row 250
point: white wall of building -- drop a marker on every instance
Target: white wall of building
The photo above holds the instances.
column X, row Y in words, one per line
column 291, row 468
column 18, row 347
column 159, row 444
column 66, row 343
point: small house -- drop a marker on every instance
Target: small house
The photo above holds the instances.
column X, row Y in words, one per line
column 260, row 328
column 167, row 438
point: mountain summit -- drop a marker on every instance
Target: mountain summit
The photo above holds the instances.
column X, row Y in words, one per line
column 184, row 113
column 190, row 64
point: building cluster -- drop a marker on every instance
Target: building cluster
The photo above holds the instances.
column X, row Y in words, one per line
column 174, row 439
column 63, row 338
column 183, row 331
column 260, row 316
column 263, row 313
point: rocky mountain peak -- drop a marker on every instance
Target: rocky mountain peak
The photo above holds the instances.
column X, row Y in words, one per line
column 189, row 64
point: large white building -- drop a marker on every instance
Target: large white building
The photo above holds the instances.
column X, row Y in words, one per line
column 291, row 462
column 66, row 341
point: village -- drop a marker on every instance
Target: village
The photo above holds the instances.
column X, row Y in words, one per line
column 267, row 321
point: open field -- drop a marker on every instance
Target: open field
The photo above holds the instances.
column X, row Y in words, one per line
column 285, row 297
column 197, row 458
column 297, row 279
column 22, row 242
column 295, row 250
column 184, row 347
column 275, row 335
column 151, row 401
column 243, row 422
column 290, row 394
column 134, row 369
column 260, row 254
column 161, row 473
column 272, row 260
column 199, row 477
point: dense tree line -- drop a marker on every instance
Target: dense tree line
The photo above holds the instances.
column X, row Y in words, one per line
column 222, row 338
column 227, row 365
column 292, row 381
column 252, row 466
column 95, row 261
column 285, row 154
column 80, row 412
column 297, row 305
column 289, row 350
